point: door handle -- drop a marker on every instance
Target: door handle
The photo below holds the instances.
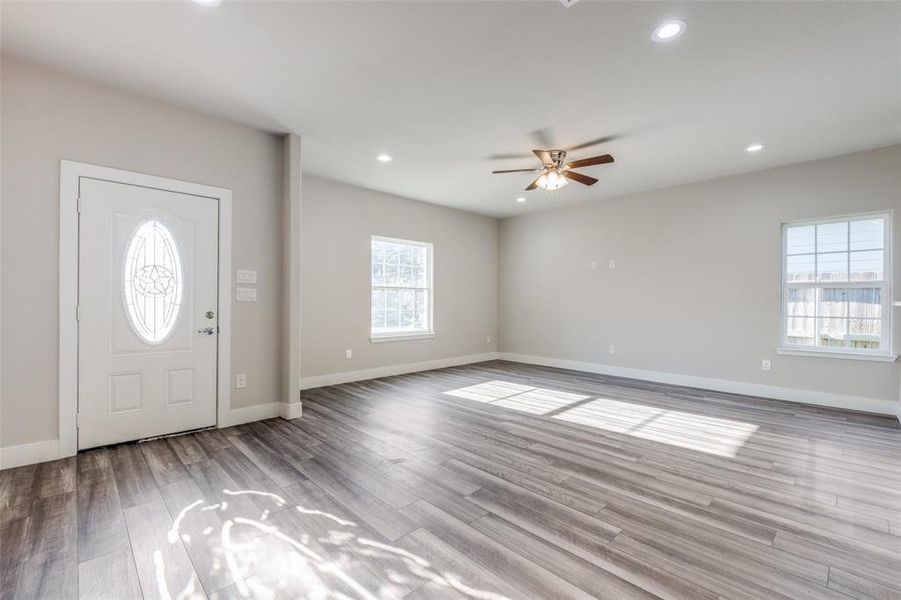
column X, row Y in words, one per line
column 208, row 330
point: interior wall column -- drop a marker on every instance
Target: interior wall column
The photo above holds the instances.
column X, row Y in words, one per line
column 292, row 275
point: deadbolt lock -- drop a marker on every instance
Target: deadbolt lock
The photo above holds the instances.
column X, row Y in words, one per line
column 210, row 314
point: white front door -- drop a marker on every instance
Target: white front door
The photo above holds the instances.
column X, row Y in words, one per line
column 147, row 312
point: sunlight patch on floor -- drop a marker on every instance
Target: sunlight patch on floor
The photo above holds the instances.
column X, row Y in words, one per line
column 300, row 552
column 711, row 435
column 539, row 401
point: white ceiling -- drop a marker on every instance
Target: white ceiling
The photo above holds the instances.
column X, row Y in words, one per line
column 444, row 86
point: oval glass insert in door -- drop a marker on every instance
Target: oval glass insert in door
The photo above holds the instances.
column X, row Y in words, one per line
column 152, row 282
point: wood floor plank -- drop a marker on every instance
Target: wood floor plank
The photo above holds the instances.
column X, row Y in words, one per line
column 267, row 460
column 48, row 568
column 101, row 524
column 109, row 577
column 163, row 462
column 134, row 479
column 13, row 550
column 522, row 574
column 490, row 480
column 381, row 517
column 162, row 563
column 450, row 572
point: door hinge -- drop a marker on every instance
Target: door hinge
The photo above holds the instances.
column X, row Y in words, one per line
column 77, row 313
column 78, row 205
column 77, row 420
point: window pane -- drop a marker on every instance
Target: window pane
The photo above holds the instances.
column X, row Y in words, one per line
column 867, row 234
column 832, row 267
column 378, row 251
column 800, row 240
column 406, row 266
column 833, row 302
column 865, row 303
column 800, row 331
column 378, row 273
column 865, row 333
column 868, row 265
column 832, row 237
column 421, row 309
column 392, row 261
column 420, row 259
column 833, row 332
column 800, row 268
column 392, row 315
column 800, row 302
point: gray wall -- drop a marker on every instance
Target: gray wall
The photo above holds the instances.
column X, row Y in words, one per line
column 337, row 222
column 696, row 287
column 47, row 116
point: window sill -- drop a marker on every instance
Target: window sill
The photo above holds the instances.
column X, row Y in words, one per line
column 888, row 358
column 401, row 337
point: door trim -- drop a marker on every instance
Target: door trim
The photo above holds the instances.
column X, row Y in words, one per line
column 70, row 175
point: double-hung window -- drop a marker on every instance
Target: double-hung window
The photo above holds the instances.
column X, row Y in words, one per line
column 836, row 286
column 401, row 295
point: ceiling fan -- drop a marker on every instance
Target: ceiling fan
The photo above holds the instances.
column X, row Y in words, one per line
column 556, row 173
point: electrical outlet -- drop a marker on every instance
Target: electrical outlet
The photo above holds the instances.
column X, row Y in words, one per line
column 348, row 353
column 611, row 349
column 241, row 381
column 487, row 339
column 612, row 265
column 593, row 265
column 766, row 365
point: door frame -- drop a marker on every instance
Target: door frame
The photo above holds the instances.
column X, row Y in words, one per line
column 70, row 175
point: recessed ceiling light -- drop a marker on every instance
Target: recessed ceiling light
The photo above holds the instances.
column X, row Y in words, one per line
column 668, row 31
column 384, row 157
column 755, row 147
column 520, row 199
column 208, row 2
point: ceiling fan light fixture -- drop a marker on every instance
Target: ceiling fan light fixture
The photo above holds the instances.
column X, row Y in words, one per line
column 552, row 180
column 668, row 31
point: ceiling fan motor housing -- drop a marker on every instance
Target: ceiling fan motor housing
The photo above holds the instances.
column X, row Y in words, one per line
column 557, row 156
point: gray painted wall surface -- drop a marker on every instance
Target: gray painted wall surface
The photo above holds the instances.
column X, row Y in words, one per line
column 47, row 116
column 696, row 288
column 337, row 222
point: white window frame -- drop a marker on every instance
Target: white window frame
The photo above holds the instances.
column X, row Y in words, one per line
column 886, row 354
column 429, row 332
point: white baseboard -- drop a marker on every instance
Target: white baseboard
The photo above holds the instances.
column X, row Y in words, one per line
column 292, row 410
column 28, row 454
column 858, row 403
column 38, row 452
column 316, row 381
column 247, row 414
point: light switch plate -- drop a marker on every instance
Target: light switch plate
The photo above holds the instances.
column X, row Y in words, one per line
column 245, row 276
column 241, row 381
column 246, row 294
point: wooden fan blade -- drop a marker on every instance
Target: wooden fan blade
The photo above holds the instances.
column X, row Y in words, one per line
column 580, row 178
column 587, row 162
column 533, row 185
column 517, row 171
column 544, row 156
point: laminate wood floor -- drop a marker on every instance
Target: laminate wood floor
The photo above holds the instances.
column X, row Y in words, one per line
column 488, row 481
